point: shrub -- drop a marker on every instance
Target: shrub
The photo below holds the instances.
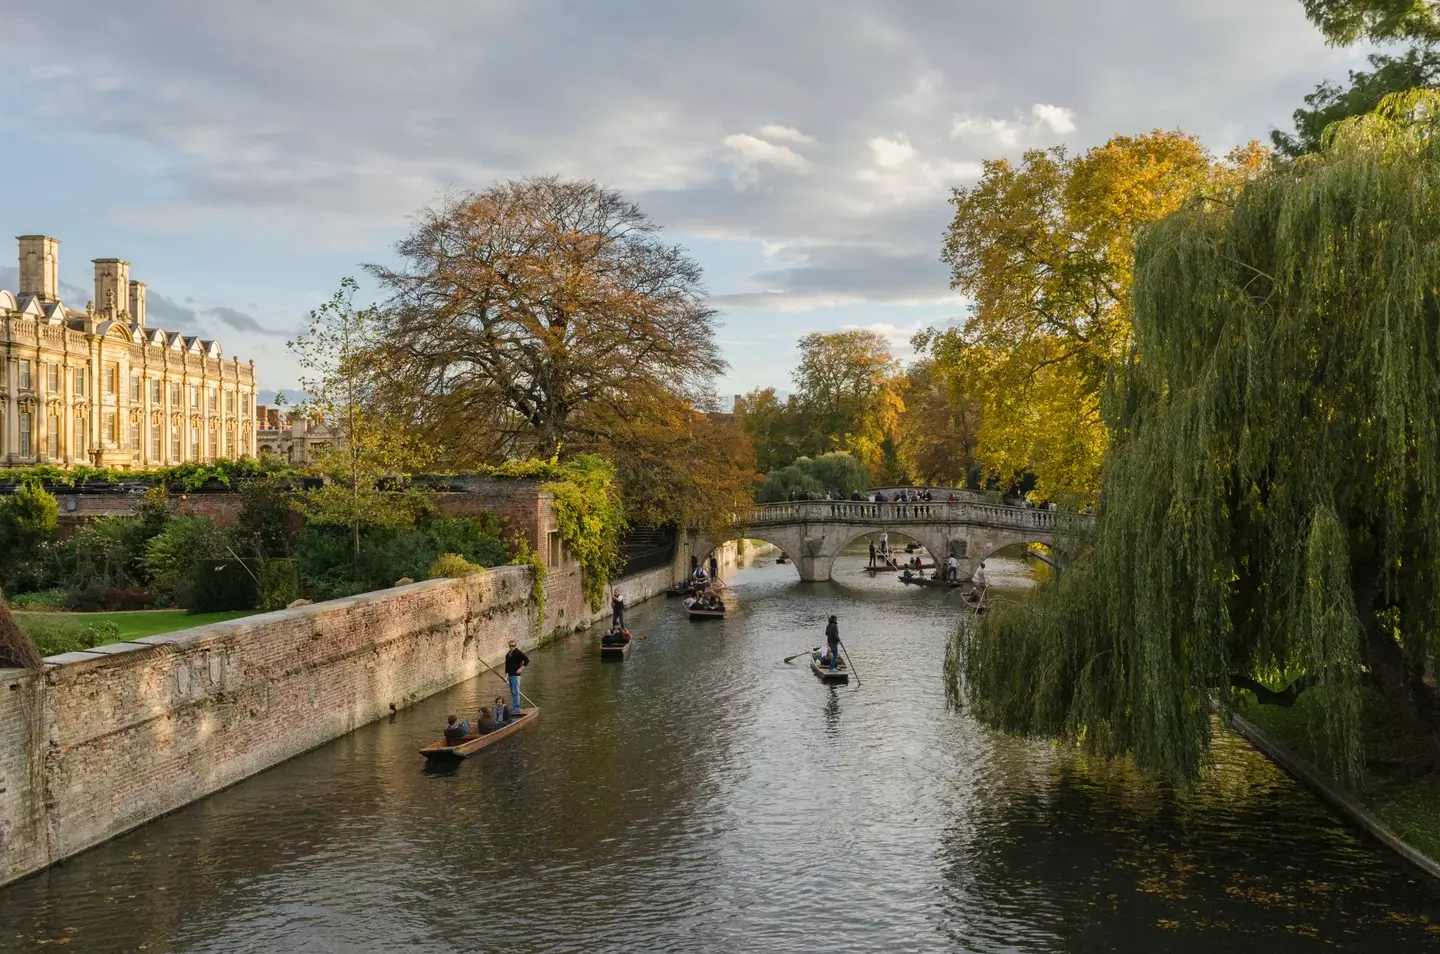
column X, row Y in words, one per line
column 54, row 635
column 86, row 597
column 128, row 598
column 451, row 565
column 170, row 555
column 279, row 584
column 221, row 584
column 41, row 601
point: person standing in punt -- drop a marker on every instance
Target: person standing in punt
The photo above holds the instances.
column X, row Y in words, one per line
column 832, row 640
column 872, row 552
column 515, row 663
column 617, row 608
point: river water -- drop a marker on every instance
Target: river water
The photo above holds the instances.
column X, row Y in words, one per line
column 705, row 797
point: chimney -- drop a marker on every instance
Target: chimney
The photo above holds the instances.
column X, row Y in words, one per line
column 137, row 303
column 112, row 287
column 39, row 267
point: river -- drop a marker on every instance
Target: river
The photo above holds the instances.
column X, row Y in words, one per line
column 703, row 796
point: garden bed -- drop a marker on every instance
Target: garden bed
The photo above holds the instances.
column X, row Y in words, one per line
column 56, row 633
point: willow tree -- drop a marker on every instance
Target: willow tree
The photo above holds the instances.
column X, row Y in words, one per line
column 1270, row 508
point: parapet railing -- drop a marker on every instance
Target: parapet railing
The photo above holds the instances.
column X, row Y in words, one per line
column 887, row 514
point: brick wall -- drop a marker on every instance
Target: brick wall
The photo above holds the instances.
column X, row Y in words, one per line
column 106, row 740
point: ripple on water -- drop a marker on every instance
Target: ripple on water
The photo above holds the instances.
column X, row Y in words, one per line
column 705, row 797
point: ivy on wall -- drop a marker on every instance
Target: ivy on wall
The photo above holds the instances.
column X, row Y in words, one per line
column 591, row 518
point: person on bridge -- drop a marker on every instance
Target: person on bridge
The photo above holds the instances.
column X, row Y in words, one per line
column 617, row 608
column 832, row 641
column 952, row 497
column 872, row 553
column 515, row 663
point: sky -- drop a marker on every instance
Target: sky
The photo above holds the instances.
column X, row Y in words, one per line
column 245, row 157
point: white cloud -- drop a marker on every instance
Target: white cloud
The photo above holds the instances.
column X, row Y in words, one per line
column 1044, row 118
column 891, row 153
column 752, row 153
column 789, row 133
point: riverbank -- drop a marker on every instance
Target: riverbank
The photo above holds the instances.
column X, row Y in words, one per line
column 1405, row 802
column 109, row 738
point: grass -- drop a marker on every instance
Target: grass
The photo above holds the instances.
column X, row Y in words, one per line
column 56, row 633
column 1404, row 799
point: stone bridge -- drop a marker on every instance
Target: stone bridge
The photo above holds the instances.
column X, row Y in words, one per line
column 813, row 533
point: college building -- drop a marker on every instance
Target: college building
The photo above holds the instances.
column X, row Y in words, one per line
column 102, row 387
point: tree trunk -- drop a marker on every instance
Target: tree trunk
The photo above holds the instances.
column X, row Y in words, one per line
column 1389, row 673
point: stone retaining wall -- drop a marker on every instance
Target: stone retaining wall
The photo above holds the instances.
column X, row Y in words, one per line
column 106, row 740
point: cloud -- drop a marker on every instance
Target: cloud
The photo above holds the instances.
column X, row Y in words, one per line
column 750, row 154
column 891, row 153
column 239, row 320
column 898, row 336
column 788, row 133
column 164, row 313
column 1045, row 120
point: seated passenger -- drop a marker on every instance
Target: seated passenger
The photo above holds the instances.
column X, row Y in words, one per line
column 486, row 723
column 456, row 731
column 500, row 710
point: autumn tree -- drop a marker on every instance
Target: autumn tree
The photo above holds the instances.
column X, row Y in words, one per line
column 1345, row 22
column 1270, row 520
column 773, row 427
column 935, row 440
column 341, row 374
column 541, row 314
column 847, row 397
column 1045, row 250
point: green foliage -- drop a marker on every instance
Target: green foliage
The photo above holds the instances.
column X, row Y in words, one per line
column 264, row 524
column 56, row 634
column 50, row 600
column 170, row 555
column 218, row 584
column 1271, row 504
column 1331, row 102
column 188, row 476
column 450, row 565
column 28, row 519
column 1347, row 21
column 525, row 555
column 591, row 519
column 836, row 471
column 328, row 567
column 279, row 583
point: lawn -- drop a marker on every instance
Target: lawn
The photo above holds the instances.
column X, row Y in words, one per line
column 56, row 633
column 1404, row 799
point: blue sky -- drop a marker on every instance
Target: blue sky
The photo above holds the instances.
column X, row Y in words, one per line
column 245, row 157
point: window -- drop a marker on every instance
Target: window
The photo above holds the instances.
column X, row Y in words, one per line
column 194, row 395
column 157, row 391
column 135, row 388
column 111, row 378
column 157, row 437
column 25, row 418
column 174, row 395
column 214, row 443
column 211, row 400
column 175, row 442
column 229, row 402
column 80, row 381
column 25, row 384
column 81, row 436
column 195, row 443
column 52, row 378
column 135, row 436
column 52, row 435
column 110, row 428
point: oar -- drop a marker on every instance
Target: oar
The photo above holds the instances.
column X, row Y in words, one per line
column 801, row 653
column 507, row 682
column 851, row 663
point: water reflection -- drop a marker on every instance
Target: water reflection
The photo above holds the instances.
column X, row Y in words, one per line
column 704, row 796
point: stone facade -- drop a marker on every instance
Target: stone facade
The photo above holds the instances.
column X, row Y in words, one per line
column 102, row 387
column 291, row 437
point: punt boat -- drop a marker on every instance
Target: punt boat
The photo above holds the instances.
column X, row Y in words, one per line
column 823, row 673
column 472, row 744
column 926, row 581
column 616, row 653
column 698, row 612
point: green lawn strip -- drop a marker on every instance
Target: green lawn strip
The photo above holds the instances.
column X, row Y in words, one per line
column 56, row 633
column 1408, row 804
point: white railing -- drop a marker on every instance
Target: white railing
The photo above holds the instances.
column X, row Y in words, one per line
column 856, row 511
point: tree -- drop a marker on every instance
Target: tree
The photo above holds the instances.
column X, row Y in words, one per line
column 1045, row 250
column 28, row 518
column 772, row 426
column 340, row 355
column 1270, row 518
column 847, row 397
column 537, row 315
column 1345, row 22
column 836, row 471
column 937, row 432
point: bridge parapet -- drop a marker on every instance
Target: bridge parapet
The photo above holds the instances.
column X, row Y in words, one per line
column 920, row 512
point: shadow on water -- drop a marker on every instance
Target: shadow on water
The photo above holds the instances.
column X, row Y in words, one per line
column 704, row 796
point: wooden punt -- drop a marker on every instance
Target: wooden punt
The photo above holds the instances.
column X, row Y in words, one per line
column 473, row 744
column 616, row 653
column 926, row 581
column 824, row 674
column 696, row 613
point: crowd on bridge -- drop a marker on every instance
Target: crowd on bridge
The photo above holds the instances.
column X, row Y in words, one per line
column 878, row 496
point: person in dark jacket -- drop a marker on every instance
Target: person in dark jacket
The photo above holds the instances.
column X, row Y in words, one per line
column 515, row 663
column 456, row 731
column 714, row 569
column 872, row 552
column 617, row 608
column 832, row 640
